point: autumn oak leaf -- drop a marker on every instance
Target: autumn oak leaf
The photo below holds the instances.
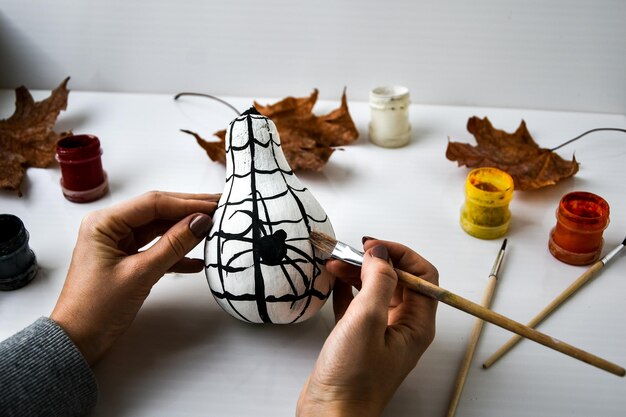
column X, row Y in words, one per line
column 530, row 166
column 307, row 140
column 27, row 138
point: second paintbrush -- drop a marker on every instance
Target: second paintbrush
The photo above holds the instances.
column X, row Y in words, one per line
column 473, row 341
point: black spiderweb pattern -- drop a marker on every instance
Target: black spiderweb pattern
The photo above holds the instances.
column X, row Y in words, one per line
column 262, row 244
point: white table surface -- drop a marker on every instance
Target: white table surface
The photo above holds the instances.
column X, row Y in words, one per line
column 184, row 356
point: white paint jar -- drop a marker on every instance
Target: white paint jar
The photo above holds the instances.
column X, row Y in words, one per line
column 389, row 123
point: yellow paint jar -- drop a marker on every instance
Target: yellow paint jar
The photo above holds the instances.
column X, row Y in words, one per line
column 486, row 213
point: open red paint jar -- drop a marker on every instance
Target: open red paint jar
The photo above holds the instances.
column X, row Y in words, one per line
column 82, row 176
column 577, row 237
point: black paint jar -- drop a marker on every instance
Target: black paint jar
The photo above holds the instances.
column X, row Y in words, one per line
column 18, row 264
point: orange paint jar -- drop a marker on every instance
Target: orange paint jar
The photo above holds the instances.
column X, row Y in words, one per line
column 580, row 221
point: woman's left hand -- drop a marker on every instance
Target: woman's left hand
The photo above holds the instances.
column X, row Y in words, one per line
column 109, row 277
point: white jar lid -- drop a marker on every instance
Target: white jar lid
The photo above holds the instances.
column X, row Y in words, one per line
column 382, row 97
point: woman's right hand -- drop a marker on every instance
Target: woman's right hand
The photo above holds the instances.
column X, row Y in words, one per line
column 380, row 334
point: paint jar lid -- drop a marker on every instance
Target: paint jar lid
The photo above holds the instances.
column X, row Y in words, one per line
column 18, row 265
column 485, row 232
column 573, row 258
column 86, row 196
column 390, row 96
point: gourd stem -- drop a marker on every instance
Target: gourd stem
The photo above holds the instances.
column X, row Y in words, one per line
column 586, row 133
column 176, row 97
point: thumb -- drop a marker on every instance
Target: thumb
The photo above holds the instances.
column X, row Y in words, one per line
column 176, row 243
column 378, row 284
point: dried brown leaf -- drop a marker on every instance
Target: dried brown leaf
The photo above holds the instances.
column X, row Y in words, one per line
column 215, row 150
column 307, row 140
column 518, row 154
column 27, row 138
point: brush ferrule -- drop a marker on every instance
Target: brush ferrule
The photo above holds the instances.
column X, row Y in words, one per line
column 347, row 254
column 497, row 264
column 612, row 254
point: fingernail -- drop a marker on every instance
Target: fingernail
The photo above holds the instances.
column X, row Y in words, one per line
column 366, row 238
column 200, row 225
column 380, row 252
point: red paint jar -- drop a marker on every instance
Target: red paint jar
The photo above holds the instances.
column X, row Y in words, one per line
column 82, row 176
column 577, row 237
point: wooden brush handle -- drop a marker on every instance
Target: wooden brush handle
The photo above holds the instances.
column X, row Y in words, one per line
column 431, row 290
column 564, row 296
column 471, row 349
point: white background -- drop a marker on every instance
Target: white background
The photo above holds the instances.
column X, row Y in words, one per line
column 557, row 54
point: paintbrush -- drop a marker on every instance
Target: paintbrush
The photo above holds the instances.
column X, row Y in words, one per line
column 473, row 341
column 564, row 296
column 341, row 251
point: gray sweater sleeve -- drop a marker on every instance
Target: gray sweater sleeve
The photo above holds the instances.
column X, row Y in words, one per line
column 42, row 373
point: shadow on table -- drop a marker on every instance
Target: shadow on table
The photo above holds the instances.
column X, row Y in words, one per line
column 192, row 351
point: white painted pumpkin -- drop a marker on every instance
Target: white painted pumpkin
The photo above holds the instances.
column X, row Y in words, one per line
column 260, row 264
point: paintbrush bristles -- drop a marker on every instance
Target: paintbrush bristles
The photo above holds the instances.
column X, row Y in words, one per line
column 323, row 242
